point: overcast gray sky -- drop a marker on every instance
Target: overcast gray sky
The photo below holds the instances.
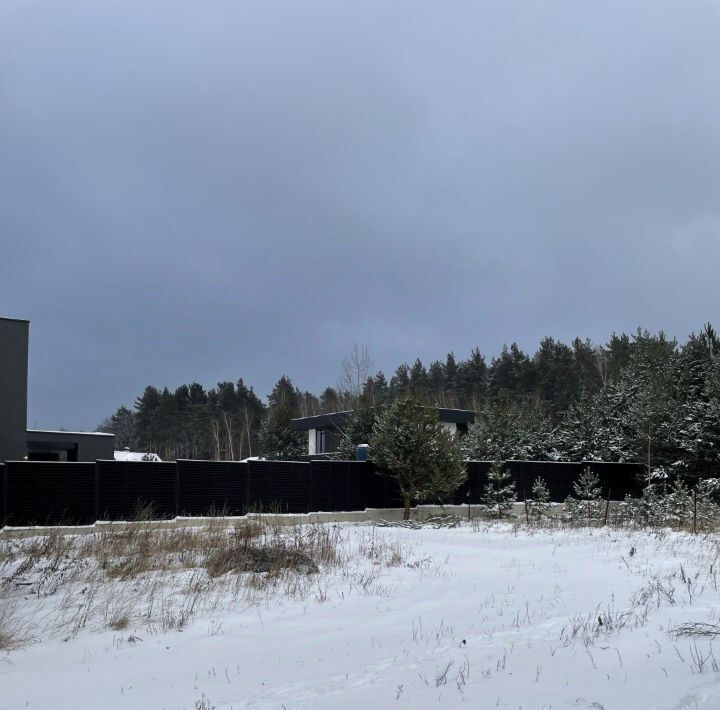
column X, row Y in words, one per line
column 222, row 189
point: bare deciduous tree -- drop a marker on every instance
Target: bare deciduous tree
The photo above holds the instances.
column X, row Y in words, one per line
column 354, row 371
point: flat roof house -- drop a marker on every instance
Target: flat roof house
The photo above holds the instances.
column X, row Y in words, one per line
column 17, row 442
column 324, row 430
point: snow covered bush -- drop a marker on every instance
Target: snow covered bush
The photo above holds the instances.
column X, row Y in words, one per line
column 673, row 505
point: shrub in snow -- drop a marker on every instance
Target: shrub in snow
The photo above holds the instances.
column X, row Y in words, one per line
column 677, row 504
column 585, row 504
column 499, row 492
column 646, row 510
column 674, row 505
column 708, row 496
column 539, row 505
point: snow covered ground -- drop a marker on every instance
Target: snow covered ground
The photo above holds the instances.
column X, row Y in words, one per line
column 483, row 617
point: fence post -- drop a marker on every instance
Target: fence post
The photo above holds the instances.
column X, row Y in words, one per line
column 96, row 502
column 607, row 508
column 310, row 495
column 247, row 487
column 5, row 504
column 177, row 488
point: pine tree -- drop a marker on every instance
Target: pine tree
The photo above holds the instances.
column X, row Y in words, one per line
column 356, row 430
column 539, row 505
column 507, row 430
column 436, row 384
column 554, row 367
column 380, row 390
column 419, row 382
column 512, row 372
column 499, row 491
column 472, row 376
column 451, row 383
column 400, row 382
column 198, row 423
column 678, row 504
column 409, row 445
column 448, row 471
column 329, row 401
column 123, row 425
column 584, row 503
column 276, row 440
column 147, row 407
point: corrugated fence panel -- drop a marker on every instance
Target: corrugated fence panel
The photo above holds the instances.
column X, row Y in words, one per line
column 49, row 493
column 282, row 486
column 128, row 489
column 619, row 479
column 212, row 487
column 3, row 495
column 338, row 485
column 383, row 492
column 358, row 477
column 320, row 489
column 477, row 481
column 35, row 492
column 559, row 477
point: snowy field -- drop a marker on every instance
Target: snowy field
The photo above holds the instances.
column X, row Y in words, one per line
column 483, row 617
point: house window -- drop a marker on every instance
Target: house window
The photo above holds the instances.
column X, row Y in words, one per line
column 319, row 441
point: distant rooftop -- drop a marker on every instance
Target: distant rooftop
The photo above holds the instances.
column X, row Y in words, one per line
column 322, row 421
column 72, row 433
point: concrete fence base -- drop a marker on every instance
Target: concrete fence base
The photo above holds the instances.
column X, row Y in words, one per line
column 369, row 515
column 419, row 513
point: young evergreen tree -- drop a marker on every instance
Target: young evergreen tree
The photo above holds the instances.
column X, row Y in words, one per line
column 449, row 471
column 585, row 502
column 409, row 445
column 539, row 504
column 499, row 491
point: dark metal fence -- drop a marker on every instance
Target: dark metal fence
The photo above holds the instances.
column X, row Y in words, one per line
column 51, row 493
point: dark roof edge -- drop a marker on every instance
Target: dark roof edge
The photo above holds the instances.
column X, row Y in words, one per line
column 318, row 421
column 68, row 433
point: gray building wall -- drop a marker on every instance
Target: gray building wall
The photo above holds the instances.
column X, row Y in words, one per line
column 13, row 388
column 80, row 446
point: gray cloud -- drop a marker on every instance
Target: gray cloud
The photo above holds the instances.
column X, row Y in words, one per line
column 227, row 189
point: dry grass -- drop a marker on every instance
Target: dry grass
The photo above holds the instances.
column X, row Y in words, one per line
column 157, row 578
column 14, row 633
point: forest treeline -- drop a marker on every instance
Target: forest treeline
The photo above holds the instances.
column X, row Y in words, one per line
column 640, row 397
